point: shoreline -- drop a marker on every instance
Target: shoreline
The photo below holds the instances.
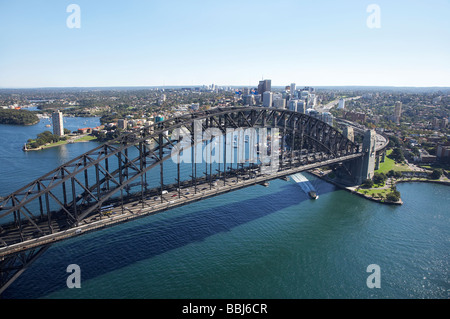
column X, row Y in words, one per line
column 43, row 147
column 381, row 201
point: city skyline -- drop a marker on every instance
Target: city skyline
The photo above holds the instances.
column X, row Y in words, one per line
column 179, row 43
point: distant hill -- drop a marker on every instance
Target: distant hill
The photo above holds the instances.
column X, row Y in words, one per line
column 18, row 117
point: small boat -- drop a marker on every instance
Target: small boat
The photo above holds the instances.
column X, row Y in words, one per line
column 313, row 195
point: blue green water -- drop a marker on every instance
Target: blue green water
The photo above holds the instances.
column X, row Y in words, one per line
column 257, row 242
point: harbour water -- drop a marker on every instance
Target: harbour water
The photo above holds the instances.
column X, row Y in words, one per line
column 258, row 242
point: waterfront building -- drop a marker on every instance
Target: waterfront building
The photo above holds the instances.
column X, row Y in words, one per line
column 58, row 123
column 443, row 152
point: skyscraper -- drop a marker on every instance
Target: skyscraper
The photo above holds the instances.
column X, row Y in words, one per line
column 279, row 103
column 267, row 99
column 292, row 90
column 301, row 106
column 264, row 86
column 293, row 105
column 341, row 105
column 58, row 124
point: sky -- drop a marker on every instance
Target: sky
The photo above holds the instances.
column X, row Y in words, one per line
column 225, row 42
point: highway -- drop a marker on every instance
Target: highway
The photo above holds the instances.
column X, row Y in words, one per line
column 329, row 106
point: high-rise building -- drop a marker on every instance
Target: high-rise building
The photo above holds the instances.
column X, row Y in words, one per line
column 264, row 86
column 304, row 95
column 279, row 103
column 301, row 106
column 398, row 111
column 312, row 100
column 292, row 90
column 292, row 105
column 341, row 105
column 249, row 99
column 58, row 124
column 327, row 117
column 267, row 99
column 122, row 124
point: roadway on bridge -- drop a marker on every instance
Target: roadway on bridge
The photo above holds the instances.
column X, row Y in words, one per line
column 150, row 205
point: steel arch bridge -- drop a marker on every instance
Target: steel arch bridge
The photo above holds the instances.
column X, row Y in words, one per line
column 136, row 175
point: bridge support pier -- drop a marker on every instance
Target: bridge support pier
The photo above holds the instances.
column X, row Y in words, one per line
column 356, row 171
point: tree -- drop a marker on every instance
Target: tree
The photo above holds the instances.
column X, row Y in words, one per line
column 379, row 178
column 398, row 174
column 394, row 142
column 393, row 197
column 397, row 155
column 436, row 174
column 368, row 183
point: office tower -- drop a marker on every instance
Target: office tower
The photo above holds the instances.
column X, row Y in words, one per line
column 304, row 95
column 267, row 99
column 279, row 103
column 293, row 105
column 398, row 111
column 301, row 106
column 292, row 90
column 58, row 124
column 249, row 99
column 264, row 86
column 341, row 105
column 312, row 100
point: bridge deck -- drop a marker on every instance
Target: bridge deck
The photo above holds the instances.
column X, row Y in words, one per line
column 150, row 206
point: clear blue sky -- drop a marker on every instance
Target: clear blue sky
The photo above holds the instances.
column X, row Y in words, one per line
column 183, row 42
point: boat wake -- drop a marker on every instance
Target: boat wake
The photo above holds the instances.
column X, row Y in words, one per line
column 305, row 185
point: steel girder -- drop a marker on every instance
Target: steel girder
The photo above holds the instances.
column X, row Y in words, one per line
column 68, row 194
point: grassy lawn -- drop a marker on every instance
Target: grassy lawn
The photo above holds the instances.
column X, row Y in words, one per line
column 86, row 138
column 371, row 192
column 389, row 164
column 54, row 144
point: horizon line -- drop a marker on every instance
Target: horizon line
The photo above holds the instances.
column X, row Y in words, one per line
column 217, row 85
